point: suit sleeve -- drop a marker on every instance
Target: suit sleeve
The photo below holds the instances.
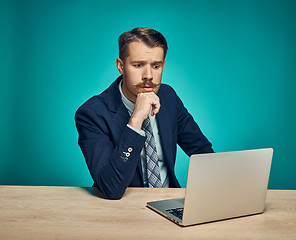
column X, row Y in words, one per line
column 190, row 138
column 112, row 166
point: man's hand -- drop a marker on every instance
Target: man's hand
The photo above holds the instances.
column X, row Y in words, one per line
column 143, row 104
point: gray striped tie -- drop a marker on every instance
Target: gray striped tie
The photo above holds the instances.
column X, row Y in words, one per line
column 151, row 156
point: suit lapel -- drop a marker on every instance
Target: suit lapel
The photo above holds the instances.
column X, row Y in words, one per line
column 164, row 129
column 116, row 106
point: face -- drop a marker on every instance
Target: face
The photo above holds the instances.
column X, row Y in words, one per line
column 141, row 69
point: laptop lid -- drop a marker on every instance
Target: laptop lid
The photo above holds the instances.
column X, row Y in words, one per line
column 224, row 185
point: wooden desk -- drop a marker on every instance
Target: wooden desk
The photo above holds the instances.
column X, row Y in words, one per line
column 76, row 213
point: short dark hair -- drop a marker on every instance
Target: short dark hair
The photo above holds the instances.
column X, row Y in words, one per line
column 150, row 37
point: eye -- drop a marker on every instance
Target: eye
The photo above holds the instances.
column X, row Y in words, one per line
column 137, row 65
column 156, row 66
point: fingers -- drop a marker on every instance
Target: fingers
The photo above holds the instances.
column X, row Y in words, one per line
column 155, row 107
column 143, row 105
column 148, row 101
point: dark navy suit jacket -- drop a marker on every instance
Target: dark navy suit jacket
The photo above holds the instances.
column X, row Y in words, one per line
column 104, row 139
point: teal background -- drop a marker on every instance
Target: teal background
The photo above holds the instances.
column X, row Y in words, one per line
column 231, row 62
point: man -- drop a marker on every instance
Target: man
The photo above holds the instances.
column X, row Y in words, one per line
column 128, row 133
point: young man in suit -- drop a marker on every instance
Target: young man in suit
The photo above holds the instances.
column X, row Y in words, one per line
column 128, row 133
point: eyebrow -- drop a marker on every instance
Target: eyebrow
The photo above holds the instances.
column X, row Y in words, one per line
column 143, row 61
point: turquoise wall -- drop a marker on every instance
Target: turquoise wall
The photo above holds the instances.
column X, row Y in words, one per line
column 232, row 62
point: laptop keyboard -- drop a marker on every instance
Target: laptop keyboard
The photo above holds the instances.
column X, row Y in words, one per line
column 178, row 212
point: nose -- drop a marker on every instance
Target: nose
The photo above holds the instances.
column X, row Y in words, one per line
column 147, row 74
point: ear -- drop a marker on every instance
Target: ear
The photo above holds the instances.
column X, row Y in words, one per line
column 119, row 64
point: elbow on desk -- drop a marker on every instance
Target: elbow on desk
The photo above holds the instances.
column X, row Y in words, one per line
column 114, row 197
column 110, row 194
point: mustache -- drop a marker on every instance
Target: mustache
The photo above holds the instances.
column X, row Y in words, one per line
column 148, row 84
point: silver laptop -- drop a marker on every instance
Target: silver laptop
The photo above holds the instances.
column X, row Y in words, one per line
column 220, row 186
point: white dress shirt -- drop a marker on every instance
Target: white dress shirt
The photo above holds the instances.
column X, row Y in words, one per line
column 162, row 166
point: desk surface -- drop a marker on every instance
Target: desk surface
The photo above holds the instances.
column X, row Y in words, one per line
column 77, row 213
